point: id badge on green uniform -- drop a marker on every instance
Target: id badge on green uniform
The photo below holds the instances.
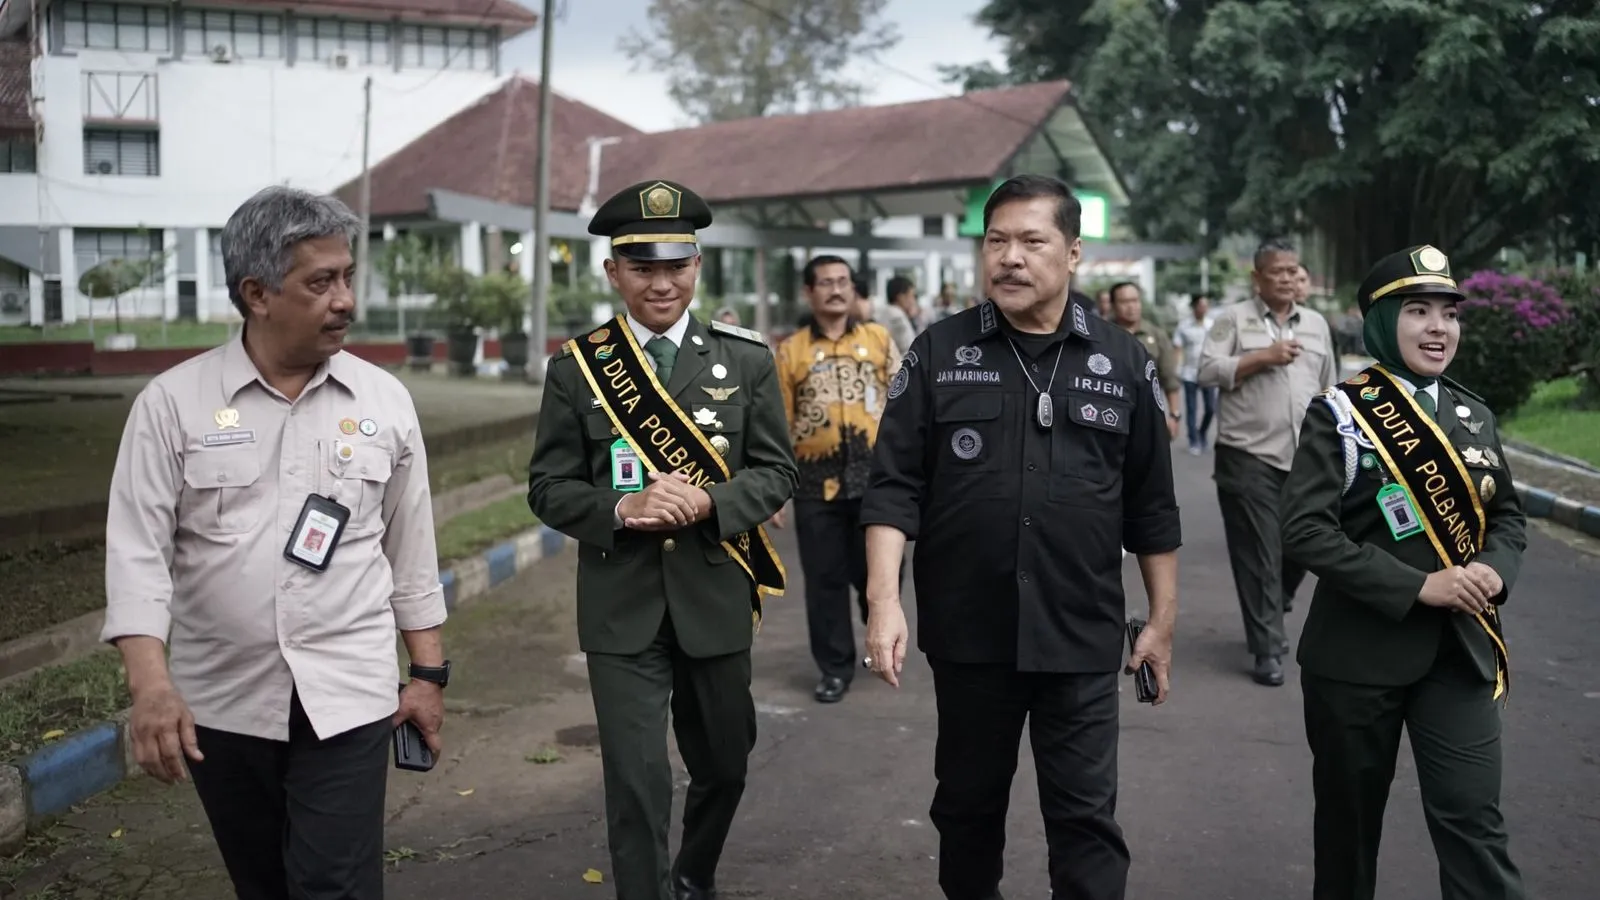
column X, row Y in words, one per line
column 627, row 472
column 1399, row 512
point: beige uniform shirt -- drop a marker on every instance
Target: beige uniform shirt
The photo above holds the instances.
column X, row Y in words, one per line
column 212, row 473
column 1262, row 414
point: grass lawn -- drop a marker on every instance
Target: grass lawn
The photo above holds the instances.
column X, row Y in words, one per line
column 61, row 698
column 1549, row 420
column 147, row 331
column 478, row 531
column 61, row 453
column 50, row 583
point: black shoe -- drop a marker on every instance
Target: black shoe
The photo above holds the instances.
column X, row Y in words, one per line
column 830, row 689
column 1269, row 671
column 685, row 889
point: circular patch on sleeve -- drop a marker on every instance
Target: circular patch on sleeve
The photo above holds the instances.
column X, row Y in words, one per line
column 897, row 385
column 1161, row 397
column 966, row 443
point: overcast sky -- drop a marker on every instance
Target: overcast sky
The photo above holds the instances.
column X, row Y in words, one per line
column 587, row 65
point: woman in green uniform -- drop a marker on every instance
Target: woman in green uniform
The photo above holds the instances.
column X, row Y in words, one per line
column 1399, row 501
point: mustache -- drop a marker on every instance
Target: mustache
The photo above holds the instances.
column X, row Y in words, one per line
column 1009, row 278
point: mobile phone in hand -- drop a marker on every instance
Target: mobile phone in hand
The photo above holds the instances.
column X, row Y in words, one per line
column 410, row 750
column 1144, row 678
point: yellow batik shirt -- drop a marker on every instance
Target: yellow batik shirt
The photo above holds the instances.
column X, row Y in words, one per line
column 834, row 393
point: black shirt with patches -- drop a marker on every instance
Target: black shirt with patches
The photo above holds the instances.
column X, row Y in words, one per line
column 1019, row 529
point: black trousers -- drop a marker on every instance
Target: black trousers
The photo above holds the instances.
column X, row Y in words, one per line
column 1454, row 724
column 1072, row 726
column 301, row 819
column 714, row 718
column 833, row 558
column 1249, row 497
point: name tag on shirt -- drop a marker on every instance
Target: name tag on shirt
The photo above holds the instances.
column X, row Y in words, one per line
column 316, row 533
column 228, row 438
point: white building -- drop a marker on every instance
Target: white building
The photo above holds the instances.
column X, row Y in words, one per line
column 150, row 122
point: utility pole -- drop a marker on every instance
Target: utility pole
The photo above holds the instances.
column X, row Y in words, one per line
column 364, row 240
column 541, row 209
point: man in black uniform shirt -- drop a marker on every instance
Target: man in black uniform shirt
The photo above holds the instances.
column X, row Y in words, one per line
column 1024, row 445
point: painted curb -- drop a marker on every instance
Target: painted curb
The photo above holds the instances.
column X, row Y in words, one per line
column 67, row 772
column 1538, row 503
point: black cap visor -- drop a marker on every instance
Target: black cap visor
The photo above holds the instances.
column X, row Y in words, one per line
column 657, row 251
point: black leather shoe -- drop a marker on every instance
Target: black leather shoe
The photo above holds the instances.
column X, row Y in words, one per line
column 831, row 689
column 685, row 889
column 1269, row 671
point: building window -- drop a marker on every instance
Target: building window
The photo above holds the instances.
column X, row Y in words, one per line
column 18, row 155
column 219, row 273
column 115, row 26
column 933, row 226
column 245, row 35
column 121, row 152
column 446, row 48
column 366, row 43
column 92, row 247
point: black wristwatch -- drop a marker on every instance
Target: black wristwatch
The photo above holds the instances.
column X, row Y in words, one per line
column 439, row 675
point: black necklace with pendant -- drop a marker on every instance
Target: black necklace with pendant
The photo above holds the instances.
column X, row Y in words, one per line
column 1044, row 410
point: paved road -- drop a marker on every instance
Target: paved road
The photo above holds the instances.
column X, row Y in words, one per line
column 1215, row 785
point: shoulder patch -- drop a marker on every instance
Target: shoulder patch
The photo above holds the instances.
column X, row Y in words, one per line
column 738, row 332
column 1451, row 382
column 1222, row 329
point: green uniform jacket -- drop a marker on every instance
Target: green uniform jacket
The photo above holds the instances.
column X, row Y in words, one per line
column 1366, row 625
column 628, row 579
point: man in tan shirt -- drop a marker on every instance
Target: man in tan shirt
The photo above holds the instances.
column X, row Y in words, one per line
column 280, row 696
column 1127, row 311
column 1270, row 356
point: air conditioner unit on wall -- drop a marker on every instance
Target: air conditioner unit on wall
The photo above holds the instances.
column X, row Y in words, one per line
column 13, row 302
column 340, row 59
column 222, row 53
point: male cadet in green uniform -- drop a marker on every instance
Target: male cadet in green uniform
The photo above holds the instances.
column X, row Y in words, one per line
column 1399, row 500
column 662, row 448
column 1127, row 310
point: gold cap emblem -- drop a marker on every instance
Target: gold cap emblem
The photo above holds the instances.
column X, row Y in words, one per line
column 660, row 201
column 1430, row 261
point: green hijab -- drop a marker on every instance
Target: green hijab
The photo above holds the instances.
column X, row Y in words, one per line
column 1381, row 331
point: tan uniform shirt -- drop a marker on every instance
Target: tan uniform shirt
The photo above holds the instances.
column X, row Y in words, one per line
column 1262, row 414
column 202, row 504
column 1160, row 348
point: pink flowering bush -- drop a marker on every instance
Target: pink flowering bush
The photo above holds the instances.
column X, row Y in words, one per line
column 1513, row 337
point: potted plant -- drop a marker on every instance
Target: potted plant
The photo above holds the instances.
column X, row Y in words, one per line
column 574, row 305
column 502, row 299
column 404, row 265
column 458, row 304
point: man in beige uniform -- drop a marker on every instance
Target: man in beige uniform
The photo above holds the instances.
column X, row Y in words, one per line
column 1270, row 356
column 281, row 692
column 1127, row 311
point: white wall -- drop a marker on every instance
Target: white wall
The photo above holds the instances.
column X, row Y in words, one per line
column 227, row 130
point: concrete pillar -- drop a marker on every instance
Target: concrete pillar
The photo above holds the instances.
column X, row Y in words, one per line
column 472, row 248
column 932, row 275
column 599, row 252
column 202, row 274
column 35, row 298
column 525, row 258
column 70, row 298
column 494, row 250
column 169, row 281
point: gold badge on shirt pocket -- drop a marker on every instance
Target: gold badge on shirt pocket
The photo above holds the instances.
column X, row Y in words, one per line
column 1486, row 488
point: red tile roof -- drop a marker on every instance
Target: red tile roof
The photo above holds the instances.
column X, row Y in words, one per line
column 950, row 140
column 16, row 78
column 489, row 150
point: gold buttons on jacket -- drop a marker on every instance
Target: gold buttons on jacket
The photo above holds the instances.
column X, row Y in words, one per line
column 669, row 545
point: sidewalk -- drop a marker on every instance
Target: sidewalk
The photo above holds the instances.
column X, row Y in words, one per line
column 518, row 695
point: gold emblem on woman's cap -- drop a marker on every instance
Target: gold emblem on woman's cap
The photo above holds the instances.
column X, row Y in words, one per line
column 1430, row 260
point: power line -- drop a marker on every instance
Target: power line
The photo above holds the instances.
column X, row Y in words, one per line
column 823, row 36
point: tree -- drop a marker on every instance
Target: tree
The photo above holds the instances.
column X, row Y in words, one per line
column 735, row 59
column 1374, row 123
